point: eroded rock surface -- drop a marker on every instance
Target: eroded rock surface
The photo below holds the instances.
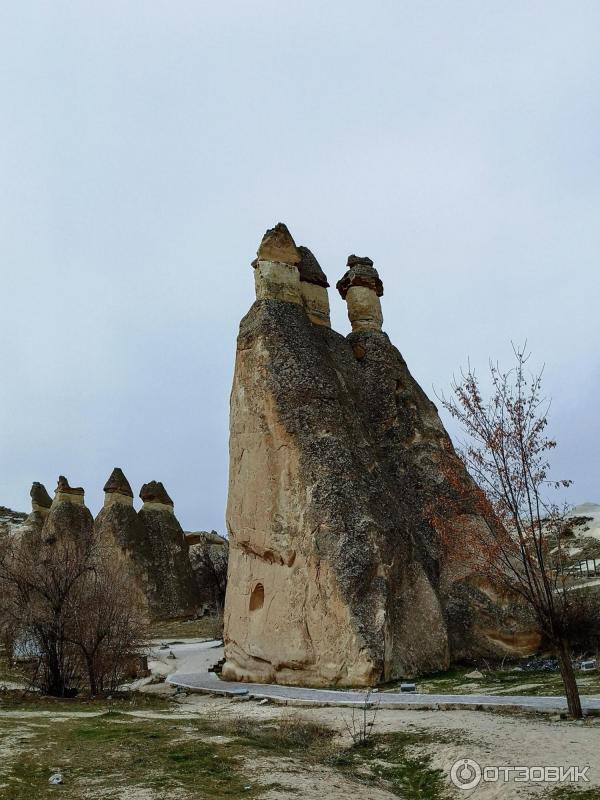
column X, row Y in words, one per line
column 336, row 576
column 68, row 519
column 153, row 543
column 169, row 581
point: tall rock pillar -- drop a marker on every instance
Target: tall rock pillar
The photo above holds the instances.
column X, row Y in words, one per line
column 319, row 549
column 361, row 288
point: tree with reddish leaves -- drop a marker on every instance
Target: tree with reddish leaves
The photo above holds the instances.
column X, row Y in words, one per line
column 520, row 545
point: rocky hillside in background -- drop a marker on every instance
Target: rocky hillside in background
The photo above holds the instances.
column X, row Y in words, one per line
column 10, row 520
column 582, row 542
column 151, row 540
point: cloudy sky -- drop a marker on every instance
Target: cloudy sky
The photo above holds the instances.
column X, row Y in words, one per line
column 146, row 146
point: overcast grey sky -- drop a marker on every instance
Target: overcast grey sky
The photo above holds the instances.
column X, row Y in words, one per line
column 146, row 146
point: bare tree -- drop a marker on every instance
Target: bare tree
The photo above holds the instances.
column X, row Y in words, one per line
column 520, row 545
column 68, row 600
column 107, row 620
column 38, row 577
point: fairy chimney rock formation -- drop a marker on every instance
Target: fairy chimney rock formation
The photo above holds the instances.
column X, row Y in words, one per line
column 117, row 489
column 361, row 288
column 313, row 288
column 40, row 499
column 163, row 553
column 336, row 573
column 68, row 517
column 68, row 494
column 118, row 519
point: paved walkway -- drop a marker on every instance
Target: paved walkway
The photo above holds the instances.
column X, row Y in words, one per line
column 206, row 682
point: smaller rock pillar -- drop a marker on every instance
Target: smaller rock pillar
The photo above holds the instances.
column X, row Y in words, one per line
column 68, row 494
column 40, row 499
column 276, row 267
column 117, row 489
column 361, row 288
column 313, row 288
column 155, row 497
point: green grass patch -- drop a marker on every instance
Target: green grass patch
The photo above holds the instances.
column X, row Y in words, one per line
column 396, row 761
column 110, row 753
column 283, row 736
column 15, row 700
column 570, row 793
column 503, row 681
column 207, row 627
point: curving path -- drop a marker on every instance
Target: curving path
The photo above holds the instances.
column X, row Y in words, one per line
column 191, row 673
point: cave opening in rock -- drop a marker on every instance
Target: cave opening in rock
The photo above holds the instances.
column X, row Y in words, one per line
column 257, row 598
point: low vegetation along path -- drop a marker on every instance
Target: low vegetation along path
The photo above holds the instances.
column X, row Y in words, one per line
column 194, row 660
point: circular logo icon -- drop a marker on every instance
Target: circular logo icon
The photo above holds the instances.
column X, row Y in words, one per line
column 465, row 774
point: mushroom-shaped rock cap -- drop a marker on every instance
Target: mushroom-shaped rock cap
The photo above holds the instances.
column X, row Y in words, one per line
column 278, row 245
column 310, row 269
column 63, row 486
column 361, row 272
column 39, row 495
column 155, row 492
column 118, row 483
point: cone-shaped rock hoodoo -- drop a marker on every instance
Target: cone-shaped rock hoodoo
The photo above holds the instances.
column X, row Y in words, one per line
column 336, row 575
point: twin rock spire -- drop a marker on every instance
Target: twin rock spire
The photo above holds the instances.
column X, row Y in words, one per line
column 283, row 271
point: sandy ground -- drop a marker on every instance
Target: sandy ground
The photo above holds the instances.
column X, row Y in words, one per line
column 489, row 738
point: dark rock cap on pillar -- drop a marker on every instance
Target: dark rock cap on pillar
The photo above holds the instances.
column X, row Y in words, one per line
column 118, row 483
column 63, row 487
column 155, row 492
column 71, row 494
column 361, row 272
column 117, row 489
column 310, row 269
column 361, row 288
column 39, row 495
column 313, row 288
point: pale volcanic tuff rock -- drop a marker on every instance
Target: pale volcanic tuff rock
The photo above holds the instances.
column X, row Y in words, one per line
column 335, row 573
column 276, row 266
column 278, row 245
